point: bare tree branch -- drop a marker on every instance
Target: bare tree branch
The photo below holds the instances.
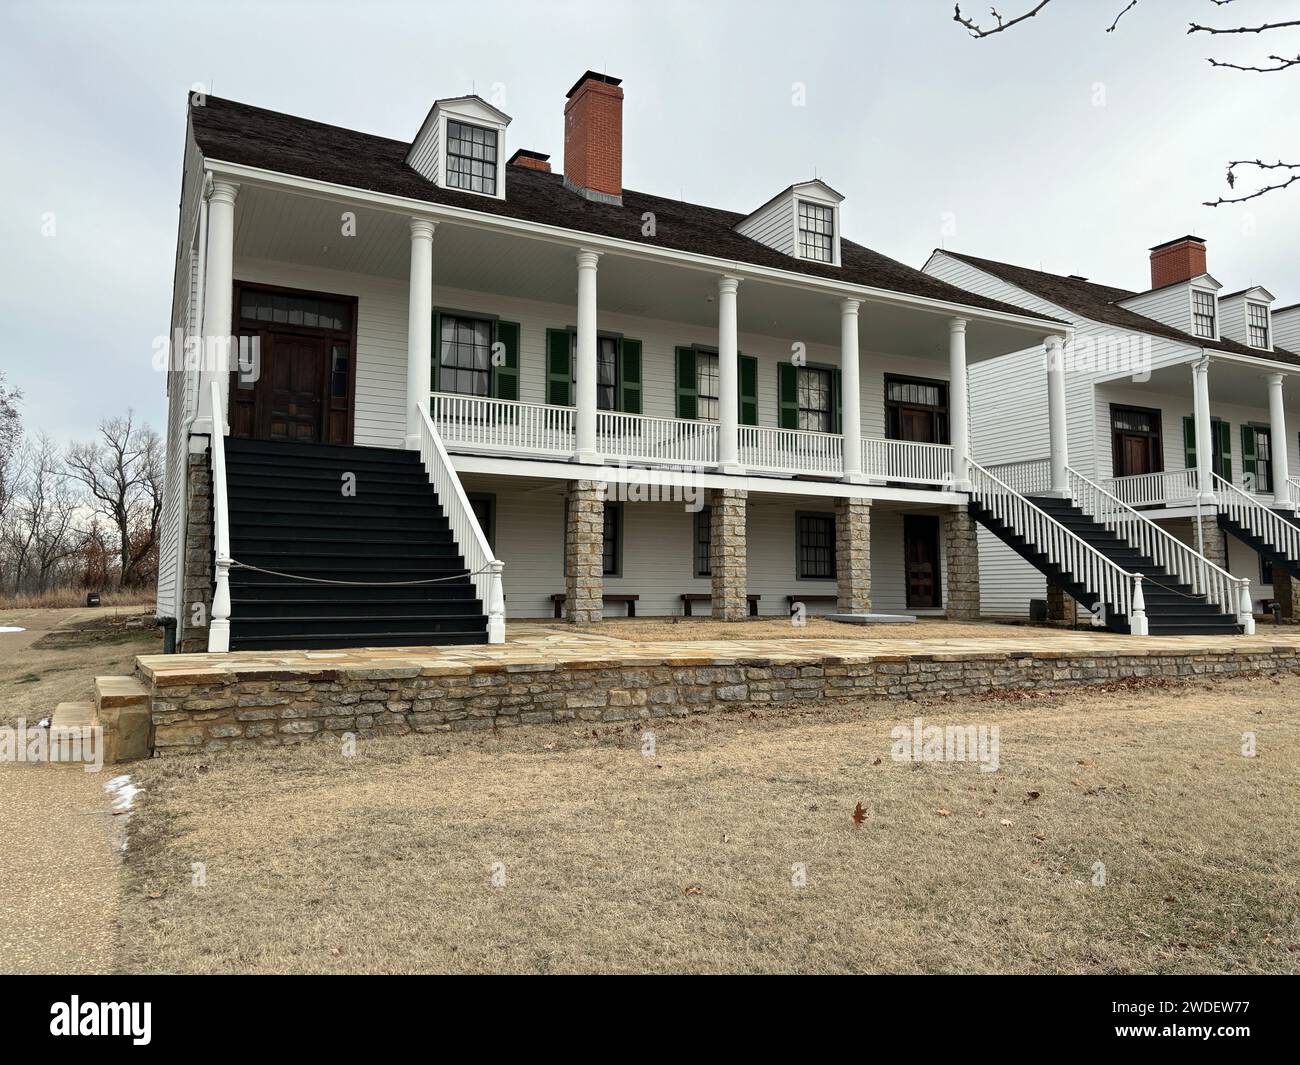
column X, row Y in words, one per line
column 1131, row 5
column 977, row 31
column 1282, row 64
column 1258, row 164
column 1194, row 27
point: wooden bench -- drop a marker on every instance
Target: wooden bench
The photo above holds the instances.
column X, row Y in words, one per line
column 704, row 597
column 790, row 600
column 559, row 597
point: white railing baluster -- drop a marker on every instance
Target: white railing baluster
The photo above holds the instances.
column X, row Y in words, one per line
column 793, row 451
column 907, row 461
column 502, row 425
column 1171, row 488
column 1263, row 522
column 485, row 569
column 219, row 623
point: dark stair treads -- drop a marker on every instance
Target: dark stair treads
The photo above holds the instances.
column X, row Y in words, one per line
column 1171, row 606
column 1261, row 546
column 289, row 514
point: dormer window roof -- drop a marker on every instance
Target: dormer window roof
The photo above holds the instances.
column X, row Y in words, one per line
column 461, row 145
column 802, row 221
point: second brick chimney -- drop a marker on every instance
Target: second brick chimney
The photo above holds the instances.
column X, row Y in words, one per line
column 593, row 138
column 1177, row 260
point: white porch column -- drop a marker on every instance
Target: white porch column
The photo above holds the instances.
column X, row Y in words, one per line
column 1057, row 419
column 728, row 378
column 1204, row 435
column 218, row 287
column 585, row 369
column 419, row 326
column 958, row 405
column 1279, row 441
column 851, row 401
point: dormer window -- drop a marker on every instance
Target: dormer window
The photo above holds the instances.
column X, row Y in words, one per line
column 1257, row 325
column 471, row 158
column 1203, row 313
column 816, row 232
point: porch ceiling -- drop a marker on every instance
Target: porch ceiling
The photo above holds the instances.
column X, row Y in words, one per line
column 276, row 225
column 1232, row 382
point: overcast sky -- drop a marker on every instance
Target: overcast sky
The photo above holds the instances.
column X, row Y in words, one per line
column 1054, row 145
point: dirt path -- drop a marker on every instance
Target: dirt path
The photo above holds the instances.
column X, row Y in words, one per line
column 60, row 868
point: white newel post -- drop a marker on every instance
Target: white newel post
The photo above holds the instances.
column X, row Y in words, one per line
column 958, row 406
column 851, row 401
column 585, row 369
column 1204, row 435
column 728, row 378
column 1280, row 441
column 496, row 604
column 419, row 327
column 218, row 287
column 1056, row 416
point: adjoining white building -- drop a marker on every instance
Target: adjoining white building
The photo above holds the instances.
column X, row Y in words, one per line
column 1144, row 377
column 435, row 384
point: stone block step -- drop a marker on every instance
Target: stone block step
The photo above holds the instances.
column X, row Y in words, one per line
column 119, row 692
column 73, row 715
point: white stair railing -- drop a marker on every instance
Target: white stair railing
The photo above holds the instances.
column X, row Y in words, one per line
column 1295, row 491
column 1026, row 476
column 1230, row 594
column 1113, row 586
column 219, row 623
column 1263, row 522
column 1168, row 489
column 484, row 568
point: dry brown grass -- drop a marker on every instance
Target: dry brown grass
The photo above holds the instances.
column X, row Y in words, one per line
column 615, row 863
column 66, row 598
column 816, row 628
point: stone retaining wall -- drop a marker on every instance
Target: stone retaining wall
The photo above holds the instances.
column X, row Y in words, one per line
column 265, row 707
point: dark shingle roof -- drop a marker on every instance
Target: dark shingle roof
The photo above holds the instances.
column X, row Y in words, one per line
column 1100, row 303
column 252, row 136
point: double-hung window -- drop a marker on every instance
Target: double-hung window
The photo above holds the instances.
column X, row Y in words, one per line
column 703, row 542
column 465, row 355
column 471, row 158
column 1203, row 313
column 706, row 385
column 815, row 544
column 816, row 232
column 606, row 370
column 816, row 399
column 1257, row 325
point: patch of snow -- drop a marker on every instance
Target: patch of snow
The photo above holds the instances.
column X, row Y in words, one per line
column 43, row 723
column 122, row 792
column 12, row 628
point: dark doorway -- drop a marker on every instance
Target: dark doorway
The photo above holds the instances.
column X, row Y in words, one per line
column 916, row 409
column 1136, row 442
column 297, row 372
column 921, row 560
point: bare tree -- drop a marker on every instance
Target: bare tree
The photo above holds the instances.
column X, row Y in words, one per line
column 47, row 511
column 121, row 471
column 11, row 435
column 1275, row 176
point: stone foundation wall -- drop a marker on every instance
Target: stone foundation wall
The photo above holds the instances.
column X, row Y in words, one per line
column 198, row 583
column 251, row 707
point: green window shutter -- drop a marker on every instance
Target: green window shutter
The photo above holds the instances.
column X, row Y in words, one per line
column 748, row 390
column 687, row 394
column 505, row 378
column 837, row 389
column 1248, row 453
column 559, row 384
column 629, row 377
column 1225, row 450
column 436, row 357
column 1189, row 443
column 787, row 395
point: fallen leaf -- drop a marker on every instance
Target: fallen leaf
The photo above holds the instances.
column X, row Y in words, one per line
column 1040, row 837
column 1030, row 796
column 155, row 894
column 1006, row 822
column 859, row 815
column 981, row 813
column 876, row 762
column 943, row 813
column 693, row 889
column 1078, row 783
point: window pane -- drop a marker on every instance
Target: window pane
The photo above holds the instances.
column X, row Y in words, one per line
column 816, row 546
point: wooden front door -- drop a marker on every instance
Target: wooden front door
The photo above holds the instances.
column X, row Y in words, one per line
column 1136, row 446
column 921, row 560
column 296, row 376
column 917, row 425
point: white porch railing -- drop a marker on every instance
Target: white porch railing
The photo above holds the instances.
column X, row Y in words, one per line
column 905, row 460
column 219, row 623
column 792, row 451
column 1295, row 490
column 1114, row 587
column 484, row 568
column 638, row 438
column 1263, row 522
column 502, row 425
column 1028, row 476
column 1230, row 594
column 1172, row 488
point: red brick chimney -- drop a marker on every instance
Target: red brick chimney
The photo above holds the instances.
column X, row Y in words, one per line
column 1177, row 260
column 593, row 138
column 531, row 160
